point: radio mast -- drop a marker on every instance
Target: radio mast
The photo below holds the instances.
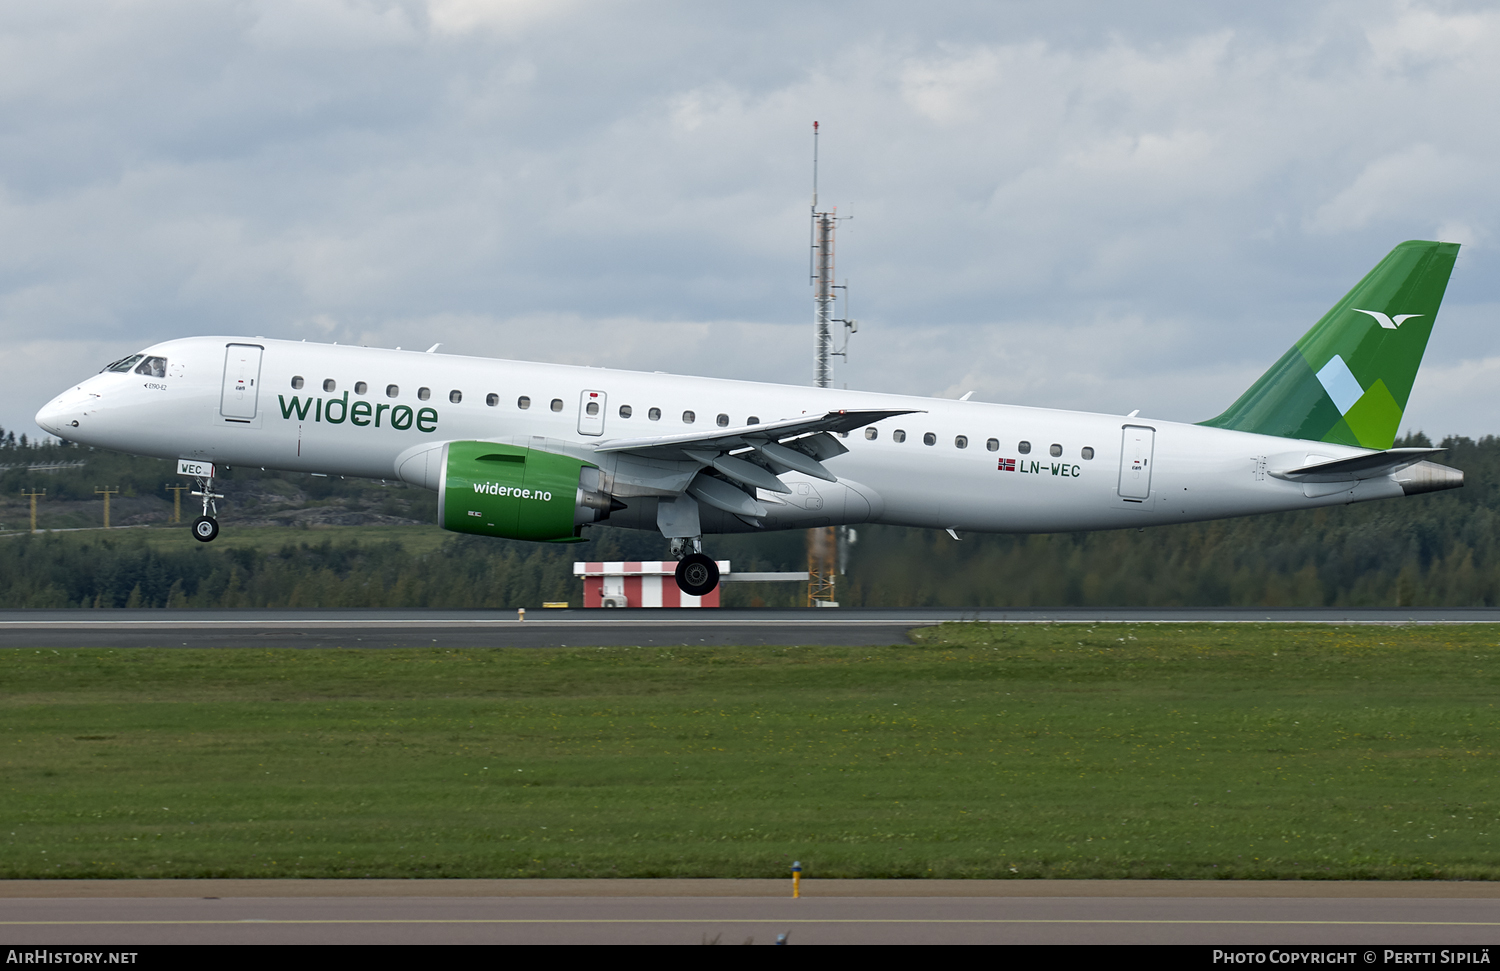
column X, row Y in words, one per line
column 821, row 270
column 824, row 543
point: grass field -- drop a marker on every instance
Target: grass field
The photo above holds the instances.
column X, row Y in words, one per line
column 1039, row 751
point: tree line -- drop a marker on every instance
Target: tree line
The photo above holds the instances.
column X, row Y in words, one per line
column 1433, row 550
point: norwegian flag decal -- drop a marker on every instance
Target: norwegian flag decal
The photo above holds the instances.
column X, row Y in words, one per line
column 1007, row 465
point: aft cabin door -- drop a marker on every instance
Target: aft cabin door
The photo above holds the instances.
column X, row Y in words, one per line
column 241, row 375
column 591, row 413
column 1135, row 462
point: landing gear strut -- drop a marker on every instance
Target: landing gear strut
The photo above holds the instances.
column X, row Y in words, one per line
column 206, row 527
column 697, row 573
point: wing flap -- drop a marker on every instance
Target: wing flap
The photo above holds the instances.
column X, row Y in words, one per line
column 795, row 460
column 744, row 472
column 722, row 495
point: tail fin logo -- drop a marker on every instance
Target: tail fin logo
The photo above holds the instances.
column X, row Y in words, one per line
column 1389, row 323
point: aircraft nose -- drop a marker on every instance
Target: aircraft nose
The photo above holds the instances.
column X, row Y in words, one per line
column 60, row 415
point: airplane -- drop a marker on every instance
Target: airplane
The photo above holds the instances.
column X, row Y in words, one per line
column 542, row 451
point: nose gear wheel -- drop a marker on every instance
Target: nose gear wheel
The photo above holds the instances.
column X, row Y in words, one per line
column 205, row 528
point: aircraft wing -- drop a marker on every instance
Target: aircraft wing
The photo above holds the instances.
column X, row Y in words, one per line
column 749, row 457
column 730, row 439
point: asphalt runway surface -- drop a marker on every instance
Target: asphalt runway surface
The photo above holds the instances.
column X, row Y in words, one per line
column 600, row 628
column 1214, row 913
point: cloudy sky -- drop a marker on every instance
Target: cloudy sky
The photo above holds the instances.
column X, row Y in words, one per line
column 1102, row 206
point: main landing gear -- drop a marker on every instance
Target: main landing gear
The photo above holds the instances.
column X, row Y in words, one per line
column 697, row 573
column 206, row 527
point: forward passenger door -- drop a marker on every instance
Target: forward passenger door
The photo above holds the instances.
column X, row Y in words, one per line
column 237, row 401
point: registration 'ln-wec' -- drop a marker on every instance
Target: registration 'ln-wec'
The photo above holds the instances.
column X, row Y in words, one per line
column 540, row 451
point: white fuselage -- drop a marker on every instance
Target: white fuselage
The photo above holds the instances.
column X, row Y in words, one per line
column 1142, row 472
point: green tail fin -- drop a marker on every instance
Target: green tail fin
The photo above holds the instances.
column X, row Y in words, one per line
column 1347, row 380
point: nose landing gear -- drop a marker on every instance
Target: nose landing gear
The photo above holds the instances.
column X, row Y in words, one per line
column 206, row 527
column 697, row 573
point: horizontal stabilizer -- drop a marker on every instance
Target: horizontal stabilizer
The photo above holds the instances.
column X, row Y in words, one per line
column 1360, row 466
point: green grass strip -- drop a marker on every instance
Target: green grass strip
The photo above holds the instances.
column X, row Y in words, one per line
column 1174, row 751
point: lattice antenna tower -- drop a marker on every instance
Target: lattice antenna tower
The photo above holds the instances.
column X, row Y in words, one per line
column 824, row 544
column 820, row 272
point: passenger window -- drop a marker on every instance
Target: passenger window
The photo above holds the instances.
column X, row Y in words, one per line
column 523, row 402
column 492, row 399
column 296, row 382
column 1087, row 452
column 455, row 396
column 962, row 441
column 898, row 436
column 1055, row 450
column 625, row 411
column 1023, row 447
column 392, row 390
column 424, row 393
column 557, row 404
column 929, row 439
column 360, row 387
column 592, row 408
column 688, row 417
column 330, row 385
column 153, row 367
column 723, row 421
column 124, row 364
column 992, row 444
column 871, row 433
column 654, row 414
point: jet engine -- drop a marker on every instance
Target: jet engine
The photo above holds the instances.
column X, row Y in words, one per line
column 519, row 493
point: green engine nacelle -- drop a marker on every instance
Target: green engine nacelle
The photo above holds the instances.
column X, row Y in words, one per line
column 519, row 493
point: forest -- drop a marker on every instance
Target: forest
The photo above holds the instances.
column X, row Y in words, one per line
column 294, row 540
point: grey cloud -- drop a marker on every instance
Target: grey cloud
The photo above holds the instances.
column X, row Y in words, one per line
column 1073, row 205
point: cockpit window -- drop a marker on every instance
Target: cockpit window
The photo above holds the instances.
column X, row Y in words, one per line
column 153, row 367
column 124, row 364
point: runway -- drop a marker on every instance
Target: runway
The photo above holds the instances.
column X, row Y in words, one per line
column 601, row 628
column 1206, row 913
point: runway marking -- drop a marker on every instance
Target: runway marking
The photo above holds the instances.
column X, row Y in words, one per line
column 749, row 920
column 523, row 625
column 695, row 623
